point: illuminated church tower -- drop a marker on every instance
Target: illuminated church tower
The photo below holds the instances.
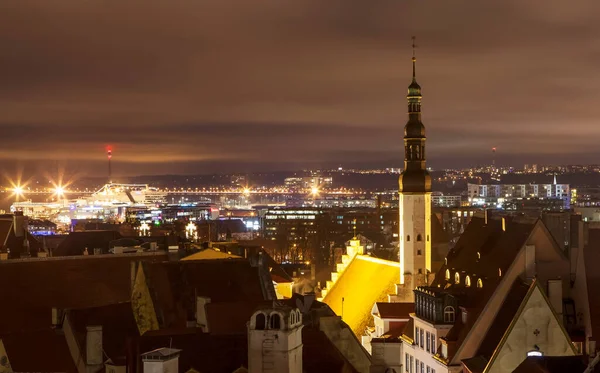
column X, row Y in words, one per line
column 414, row 198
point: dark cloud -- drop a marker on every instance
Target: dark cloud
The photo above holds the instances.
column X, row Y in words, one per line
column 188, row 86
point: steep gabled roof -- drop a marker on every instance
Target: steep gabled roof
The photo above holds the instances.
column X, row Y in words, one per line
column 551, row 364
column 31, row 288
column 591, row 257
column 175, row 285
column 42, row 350
column 364, row 282
column 395, row 310
column 484, row 248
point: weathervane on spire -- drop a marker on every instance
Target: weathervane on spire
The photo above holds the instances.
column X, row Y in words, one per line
column 414, row 58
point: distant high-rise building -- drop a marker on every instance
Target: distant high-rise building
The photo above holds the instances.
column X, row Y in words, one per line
column 414, row 198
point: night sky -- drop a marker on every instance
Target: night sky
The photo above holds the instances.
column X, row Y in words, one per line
column 237, row 85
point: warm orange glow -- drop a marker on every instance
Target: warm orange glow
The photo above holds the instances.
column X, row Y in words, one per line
column 314, row 191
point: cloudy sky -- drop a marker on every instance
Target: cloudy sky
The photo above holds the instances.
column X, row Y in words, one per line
column 194, row 86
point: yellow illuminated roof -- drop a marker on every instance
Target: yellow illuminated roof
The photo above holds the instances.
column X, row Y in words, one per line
column 364, row 282
column 210, row 254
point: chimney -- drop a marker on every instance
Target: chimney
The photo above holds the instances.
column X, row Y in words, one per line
column 309, row 298
column 93, row 345
column 19, row 223
column 58, row 317
column 201, row 314
column 556, row 298
column 161, row 360
column 530, row 261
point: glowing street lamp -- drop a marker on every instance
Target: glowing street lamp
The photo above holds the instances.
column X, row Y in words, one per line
column 314, row 191
column 246, row 191
column 144, row 229
column 59, row 191
column 18, row 191
column 191, row 231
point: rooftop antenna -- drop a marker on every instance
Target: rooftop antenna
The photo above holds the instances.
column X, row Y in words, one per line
column 493, row 156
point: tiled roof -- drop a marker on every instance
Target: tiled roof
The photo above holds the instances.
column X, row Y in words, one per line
column 206, row 352
column 117, row 323
column 395, row 310
column 32, row 288
column 207, row 254
column 484, row 248
column 508, row 310
column 175, row 285
column 76, row 242
column 38, row 351
column 552, row 364
column 364, row 282
column 591, row 253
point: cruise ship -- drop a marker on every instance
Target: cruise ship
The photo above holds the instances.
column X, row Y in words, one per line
column 109, row 203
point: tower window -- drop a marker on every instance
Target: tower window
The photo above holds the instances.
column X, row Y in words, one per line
column 275, row 321
column 468, row 281
column 499, row 272
column 418, row 252
column 260, row 322
column 427, row 238
column 449, row 314
column 419, row 238
column 479, row 283
column 447, row 274
column 457, row 278
column 408, row 238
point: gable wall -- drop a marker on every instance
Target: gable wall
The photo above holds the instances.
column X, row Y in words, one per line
column 535, row 325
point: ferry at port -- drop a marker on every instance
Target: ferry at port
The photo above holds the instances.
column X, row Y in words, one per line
column 109, row 203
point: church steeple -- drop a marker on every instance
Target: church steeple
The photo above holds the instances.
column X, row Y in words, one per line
column 414, row 197
column 415, row 177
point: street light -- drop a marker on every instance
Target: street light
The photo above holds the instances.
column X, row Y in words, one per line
column 314, row 191
column 191, row 231
column 144, row 229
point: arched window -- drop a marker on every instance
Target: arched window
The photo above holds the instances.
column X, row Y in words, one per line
column 427, row 238
column 260, row 321
column 468, row 281
column 499, row 272
column 293, row 318
column 419, row 238
column 457, row 278
column 479, row 283
column 447, row 274
column 298, row 317
column 408, row 238
column 449, row 314
column 275, row 321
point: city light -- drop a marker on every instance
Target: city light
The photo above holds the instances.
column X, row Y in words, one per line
column 246, row 191
column 59, row 191
column 314, row 191
column 18, row 191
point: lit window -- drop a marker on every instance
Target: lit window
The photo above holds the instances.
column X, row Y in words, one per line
column 499, row 272
column 457, row 278
column 468, row 281
column 447, row 274
column 479, row 283
column 449, row 314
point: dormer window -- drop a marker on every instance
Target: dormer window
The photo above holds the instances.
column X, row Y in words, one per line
column 468, row 281
column 479, row 283
column 457, row 278
column 447, row 274
column 449, row 314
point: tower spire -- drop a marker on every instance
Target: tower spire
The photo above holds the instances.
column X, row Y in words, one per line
column 414, row 58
